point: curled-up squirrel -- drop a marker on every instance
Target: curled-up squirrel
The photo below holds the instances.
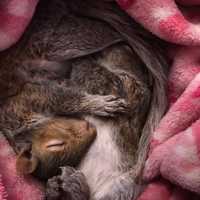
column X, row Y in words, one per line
column 86, row 60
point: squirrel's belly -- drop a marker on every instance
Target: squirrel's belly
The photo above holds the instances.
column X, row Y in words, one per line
column 102, row 162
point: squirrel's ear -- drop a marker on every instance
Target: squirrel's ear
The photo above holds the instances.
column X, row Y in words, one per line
column 26, row 163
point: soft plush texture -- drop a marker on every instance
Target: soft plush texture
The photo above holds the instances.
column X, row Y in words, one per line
column 15, row 15
column 175, row 146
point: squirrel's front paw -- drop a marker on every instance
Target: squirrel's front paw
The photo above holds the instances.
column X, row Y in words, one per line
column 70, row 185
column 108, row 105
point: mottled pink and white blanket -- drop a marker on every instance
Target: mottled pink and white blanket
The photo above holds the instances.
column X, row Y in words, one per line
column 173, row 165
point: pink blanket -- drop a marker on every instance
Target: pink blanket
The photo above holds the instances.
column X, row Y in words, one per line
column 173, row 166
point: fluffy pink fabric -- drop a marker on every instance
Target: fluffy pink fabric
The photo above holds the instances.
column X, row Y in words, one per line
column 175, row 146
column 164, row 19
column 14, row 17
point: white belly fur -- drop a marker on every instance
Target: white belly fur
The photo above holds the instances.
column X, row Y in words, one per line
column 100, row 165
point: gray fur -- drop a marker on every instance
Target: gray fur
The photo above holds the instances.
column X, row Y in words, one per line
column 73, row 186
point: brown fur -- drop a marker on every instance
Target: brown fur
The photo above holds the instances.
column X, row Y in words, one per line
column 58, row 142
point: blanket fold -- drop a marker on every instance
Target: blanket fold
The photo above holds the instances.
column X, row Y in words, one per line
column 165, row 19
column 15, row 15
